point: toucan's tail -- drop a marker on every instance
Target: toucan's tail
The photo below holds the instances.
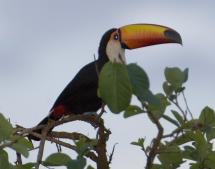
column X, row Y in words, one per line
column 43, row 122
column 55, row 114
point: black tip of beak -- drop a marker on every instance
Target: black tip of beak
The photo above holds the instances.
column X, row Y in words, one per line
column 174, row 36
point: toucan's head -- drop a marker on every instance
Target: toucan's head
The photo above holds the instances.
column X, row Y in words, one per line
column 115, row 41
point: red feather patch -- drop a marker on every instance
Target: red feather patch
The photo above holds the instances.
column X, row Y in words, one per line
column 58, row 112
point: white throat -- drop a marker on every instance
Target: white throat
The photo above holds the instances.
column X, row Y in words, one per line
column 115, row 52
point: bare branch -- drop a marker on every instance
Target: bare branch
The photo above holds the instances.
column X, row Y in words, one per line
column 66, row 135
column 111, row 155
column 41, row 147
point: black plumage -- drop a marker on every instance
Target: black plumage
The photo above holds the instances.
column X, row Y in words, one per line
column 80, row 95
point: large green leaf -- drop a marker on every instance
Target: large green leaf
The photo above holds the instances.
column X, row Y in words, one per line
column 6, row 128
column 114, row 86
column 57, row 159
column 140, row 84
column 138, row 78
column 4, row 163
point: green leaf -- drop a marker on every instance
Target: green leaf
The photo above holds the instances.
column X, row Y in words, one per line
column 202, row 146
column 170, row 156
column 186, row 71
column 178, row 117
column 210, row 161
column 207, row 119
column 22, row 145
column 196, row 166
column 210, row 133
column 139, row 79
column 114, row 86
column 192, row 124
column 139, row 143
column 57, row 159
column 24, row 166
column 190, row 153
column 132, row 110
column 29, row 165
column 140, row 84
column 4, row 163
column 207, row 116
column 185, row 138
column 90, row 167
column 168, row 89
column 159, row 109
column 6, row 128
column 156, row 166
column 169, row 119
column 80, row 163
column 176, row 77
column 83, row 146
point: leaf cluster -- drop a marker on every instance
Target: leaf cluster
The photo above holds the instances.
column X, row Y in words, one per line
column 190, row 139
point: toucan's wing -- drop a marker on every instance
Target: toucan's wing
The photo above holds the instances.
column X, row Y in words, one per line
column 85, row 83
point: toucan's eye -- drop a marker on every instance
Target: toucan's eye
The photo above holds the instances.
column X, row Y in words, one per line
column 116, row 37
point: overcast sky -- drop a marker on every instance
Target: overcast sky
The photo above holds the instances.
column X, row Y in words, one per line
column 44, row 43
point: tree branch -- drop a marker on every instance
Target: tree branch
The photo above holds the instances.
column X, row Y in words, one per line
column 156, row 142
column 41, row 147
column 103, row 133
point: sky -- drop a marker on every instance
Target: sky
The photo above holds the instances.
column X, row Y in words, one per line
column 43, row 44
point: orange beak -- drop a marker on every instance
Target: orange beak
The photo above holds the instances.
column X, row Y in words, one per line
column 140, row 35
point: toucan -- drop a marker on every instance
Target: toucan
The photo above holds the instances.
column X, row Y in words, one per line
column 80, row 95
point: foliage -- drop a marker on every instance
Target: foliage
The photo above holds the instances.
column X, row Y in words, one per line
column 15, row 142
column 191, row 138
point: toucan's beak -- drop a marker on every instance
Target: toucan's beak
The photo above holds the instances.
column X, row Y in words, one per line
column 140, row 35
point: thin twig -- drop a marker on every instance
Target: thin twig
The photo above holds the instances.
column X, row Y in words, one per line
column 101, row 112
column 179, row 107
column 18, row 159
column 111, row 154
column 188, row 109
column 175, row 132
